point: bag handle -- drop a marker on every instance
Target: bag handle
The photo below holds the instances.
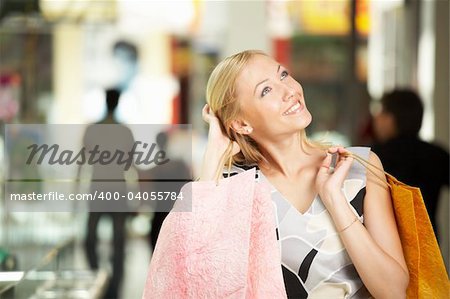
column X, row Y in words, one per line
column 371, row 167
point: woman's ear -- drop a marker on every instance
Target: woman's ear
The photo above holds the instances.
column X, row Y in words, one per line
column 241, row 127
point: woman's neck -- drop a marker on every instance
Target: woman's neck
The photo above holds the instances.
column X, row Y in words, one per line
column 287, row 157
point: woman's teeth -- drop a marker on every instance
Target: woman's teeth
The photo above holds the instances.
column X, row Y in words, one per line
column 293, row 109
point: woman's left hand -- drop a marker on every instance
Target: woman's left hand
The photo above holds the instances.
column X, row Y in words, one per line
column 329, row 182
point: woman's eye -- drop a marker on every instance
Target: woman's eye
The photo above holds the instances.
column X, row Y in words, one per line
column 284, row 74
column 265, row 91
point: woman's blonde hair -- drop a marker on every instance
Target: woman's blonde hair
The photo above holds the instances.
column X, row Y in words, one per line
column 222, row 100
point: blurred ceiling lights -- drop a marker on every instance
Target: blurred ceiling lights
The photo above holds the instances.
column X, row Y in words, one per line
column 79, row 10
column 169, row 15
column 137, row 15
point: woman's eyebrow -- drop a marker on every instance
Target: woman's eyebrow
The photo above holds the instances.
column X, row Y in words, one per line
column 278, row 70
column 259, row 84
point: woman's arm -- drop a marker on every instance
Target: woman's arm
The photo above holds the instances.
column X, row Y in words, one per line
column 216, row 147
column 374, row 247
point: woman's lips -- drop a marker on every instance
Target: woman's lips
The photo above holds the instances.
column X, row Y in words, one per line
column 294, row 109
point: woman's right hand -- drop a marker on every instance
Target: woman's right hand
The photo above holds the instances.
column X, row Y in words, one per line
column 217, row 139
column 218, row 143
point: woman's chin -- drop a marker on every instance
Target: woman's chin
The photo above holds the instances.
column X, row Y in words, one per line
column 304, row 121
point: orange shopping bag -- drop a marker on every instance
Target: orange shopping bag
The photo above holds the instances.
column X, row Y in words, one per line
column 427, row 274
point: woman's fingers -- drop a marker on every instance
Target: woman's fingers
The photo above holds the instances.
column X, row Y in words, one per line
column 329, row 180
column 325, row 164
column 342, row 151
column 339, row 149
column 332, row 149
column 205, row 113
column 344, row 156
column 343, row 166
column 208, row 115
column 340, row 158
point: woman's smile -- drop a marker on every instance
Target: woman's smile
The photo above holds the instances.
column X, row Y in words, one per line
column 296, row 108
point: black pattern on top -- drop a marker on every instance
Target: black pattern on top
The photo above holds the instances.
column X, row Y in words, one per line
column 358, row 201
column 306, row 264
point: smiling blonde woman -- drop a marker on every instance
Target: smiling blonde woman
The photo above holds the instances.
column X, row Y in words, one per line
column 283, row 222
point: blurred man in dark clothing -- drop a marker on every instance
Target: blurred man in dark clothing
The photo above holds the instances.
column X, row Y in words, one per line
column 403, row 154
column 168, row 177
column 108, row 178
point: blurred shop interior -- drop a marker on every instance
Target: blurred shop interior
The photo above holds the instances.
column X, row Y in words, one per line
column 57, row 58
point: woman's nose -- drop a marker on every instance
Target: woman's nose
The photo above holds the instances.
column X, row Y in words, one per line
column 289, row 92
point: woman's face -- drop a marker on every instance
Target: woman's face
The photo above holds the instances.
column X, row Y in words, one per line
column 272, row 102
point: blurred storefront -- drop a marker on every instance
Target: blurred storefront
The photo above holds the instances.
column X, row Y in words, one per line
column 57, row 58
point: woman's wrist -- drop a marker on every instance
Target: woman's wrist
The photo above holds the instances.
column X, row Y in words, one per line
column 332, row 199
column 340, row 210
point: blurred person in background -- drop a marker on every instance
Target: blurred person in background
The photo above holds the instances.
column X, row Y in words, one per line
column 167, row 177
column 108, row 178
column 404, row 155
column 146, row 93
column 145, row 98
column 126, row 59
